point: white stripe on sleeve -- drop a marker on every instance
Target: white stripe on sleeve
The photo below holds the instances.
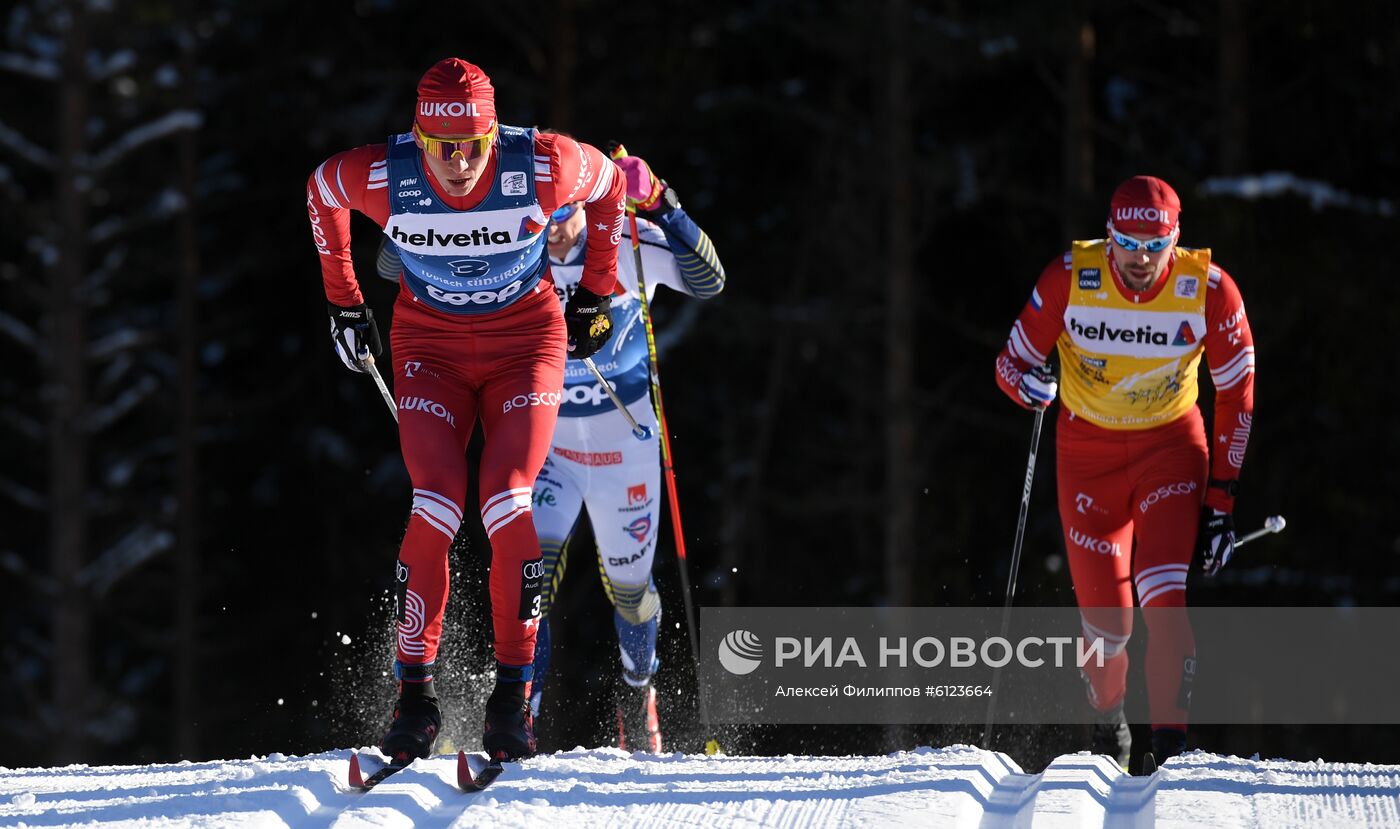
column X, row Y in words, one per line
column 1230, row 374
column 604, row 181
column 1021, row 346
column 327, row 198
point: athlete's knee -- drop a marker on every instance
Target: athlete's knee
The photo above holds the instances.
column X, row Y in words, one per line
column 635, row 603
column 439, row 511
column 1162, row 586
column 504, row 507
column 1114, row 633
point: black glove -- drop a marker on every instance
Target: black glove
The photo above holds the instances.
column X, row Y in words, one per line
column 589, row 320
column 1038, row 387
column 355, row 335
column 1216, row 539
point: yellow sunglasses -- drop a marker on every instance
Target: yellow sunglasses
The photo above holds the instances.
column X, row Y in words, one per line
column 446, row 148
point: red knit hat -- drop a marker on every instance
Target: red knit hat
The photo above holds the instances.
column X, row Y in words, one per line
column 1144, row 205
column 455, row 98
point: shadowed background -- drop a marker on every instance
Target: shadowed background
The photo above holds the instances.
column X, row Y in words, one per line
column 200, row 507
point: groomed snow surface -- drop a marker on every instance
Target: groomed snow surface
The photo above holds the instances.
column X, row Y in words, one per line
column 958, row 786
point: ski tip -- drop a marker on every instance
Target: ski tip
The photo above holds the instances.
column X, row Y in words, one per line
column 1149, row 765
column 357, row 777
column 468, row 782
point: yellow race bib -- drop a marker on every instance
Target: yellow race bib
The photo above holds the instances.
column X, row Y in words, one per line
column 1127, row 365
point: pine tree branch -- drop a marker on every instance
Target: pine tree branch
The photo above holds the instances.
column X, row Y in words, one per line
column 166, row 125
column 21, row 147
column 100, row 69
column 9, row 187
column 118, row 342
column 134, row 549
column 23, row 424
column 20, row 333
column 160, row 209
column 13, row 564
column 23, row 495
column 101, row 275
column 100, row 418
column 44, row 70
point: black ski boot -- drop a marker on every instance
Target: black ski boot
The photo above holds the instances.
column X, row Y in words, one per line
column 416, row 724
column 1166, row 744
column 509, row 732
column 638, row 726
column 1111, row 736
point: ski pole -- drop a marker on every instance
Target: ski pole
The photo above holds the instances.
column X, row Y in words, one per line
column 1272, row 524
column 711, row 745
column 639, row 431
column 1015, row 566
column 368, row 363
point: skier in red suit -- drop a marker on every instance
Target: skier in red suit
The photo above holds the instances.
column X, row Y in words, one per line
column 1140, row 488
column 477, row 332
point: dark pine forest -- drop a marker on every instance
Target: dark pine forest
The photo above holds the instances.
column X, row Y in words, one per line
column 200, row 507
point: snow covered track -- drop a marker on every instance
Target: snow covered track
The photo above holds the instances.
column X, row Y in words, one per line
column 958, row 786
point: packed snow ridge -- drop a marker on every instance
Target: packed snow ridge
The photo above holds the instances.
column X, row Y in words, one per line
column 958, row 786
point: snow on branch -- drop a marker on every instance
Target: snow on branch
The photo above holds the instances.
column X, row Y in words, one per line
column 9, row 186
column 21, row 147
column 22, row 423
column 1272, row 185
column 13, row 564
column 19, row 332
column 22, row 495
column 166, row 125
column 122, row 469
column 44, row 70
column 118, row 341
column 165, row 205
column 101, row 276
column 111, row 264
column 114, row 373
column 100, row 69
column 101, row 418
column 130, row 552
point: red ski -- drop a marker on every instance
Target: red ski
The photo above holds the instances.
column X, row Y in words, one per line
column 358, row 780
column 469, row 782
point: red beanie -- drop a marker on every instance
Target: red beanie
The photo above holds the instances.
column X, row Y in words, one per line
column 1144, row 205
column 455, row 98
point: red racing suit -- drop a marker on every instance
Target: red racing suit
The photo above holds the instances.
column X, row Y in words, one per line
column 1133, row 464
column 504, row 364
